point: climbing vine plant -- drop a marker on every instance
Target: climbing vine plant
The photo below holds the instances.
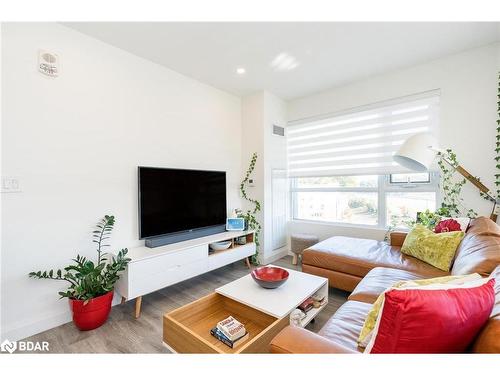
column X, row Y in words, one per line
column 497, row 144
column 452, row 204
column 250, row 216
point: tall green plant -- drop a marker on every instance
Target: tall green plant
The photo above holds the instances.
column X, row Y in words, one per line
column 250, row 216
column 87, row 279
column 452, row 203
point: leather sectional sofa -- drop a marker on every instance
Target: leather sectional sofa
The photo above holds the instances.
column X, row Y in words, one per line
column 367, row 267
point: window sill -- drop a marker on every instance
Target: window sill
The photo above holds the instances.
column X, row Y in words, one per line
column 340, row 225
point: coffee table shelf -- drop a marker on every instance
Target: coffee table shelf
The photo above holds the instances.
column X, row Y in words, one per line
column 187, row 329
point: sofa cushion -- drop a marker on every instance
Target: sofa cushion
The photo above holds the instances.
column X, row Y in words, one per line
column 345, row 325
column 488, row 339
column 479, row 250
column 436, row 249
column 377, row 281
column 433, row 319
column 443, row 282
column 358, row 256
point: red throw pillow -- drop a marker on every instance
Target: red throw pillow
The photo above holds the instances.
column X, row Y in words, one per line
column 432, row 321
column 448, row 225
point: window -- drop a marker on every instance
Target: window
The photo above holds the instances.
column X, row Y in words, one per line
column 342, row 169
column 360, row 141
column 377, row 201
column 337, row 206
column 409, row 178
column 404, row 206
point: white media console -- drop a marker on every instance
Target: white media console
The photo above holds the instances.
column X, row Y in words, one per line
column 151, row 269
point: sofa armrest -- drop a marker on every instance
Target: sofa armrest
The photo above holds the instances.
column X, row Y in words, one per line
column 299, row 340
column 397, row 238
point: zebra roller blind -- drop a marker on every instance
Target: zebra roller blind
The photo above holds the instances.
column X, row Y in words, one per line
column 361, row 141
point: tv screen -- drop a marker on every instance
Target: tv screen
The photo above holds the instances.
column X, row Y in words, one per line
column 178, row 200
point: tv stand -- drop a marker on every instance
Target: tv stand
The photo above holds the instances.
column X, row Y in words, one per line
column 151, row 269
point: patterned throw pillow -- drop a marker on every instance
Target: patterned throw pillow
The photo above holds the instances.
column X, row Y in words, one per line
column 436, row 249
column 463, row 221
column 367, row 330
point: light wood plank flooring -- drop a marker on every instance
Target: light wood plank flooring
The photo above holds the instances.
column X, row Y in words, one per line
column 122, row 333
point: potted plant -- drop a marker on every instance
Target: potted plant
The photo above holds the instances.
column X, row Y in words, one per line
column 90, row 290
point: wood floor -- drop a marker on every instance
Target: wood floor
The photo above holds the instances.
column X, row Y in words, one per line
column 122, row 333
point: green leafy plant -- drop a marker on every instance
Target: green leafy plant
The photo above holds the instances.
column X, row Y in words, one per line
column 250, row 216
column 429, row 219
column 452, row 204
column 87, row 279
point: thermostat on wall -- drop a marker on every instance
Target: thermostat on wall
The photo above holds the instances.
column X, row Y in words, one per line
column 48, row 63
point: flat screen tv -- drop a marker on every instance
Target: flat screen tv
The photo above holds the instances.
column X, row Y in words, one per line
column 175, row 202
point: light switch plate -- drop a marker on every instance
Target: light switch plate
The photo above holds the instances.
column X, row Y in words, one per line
column 11, row 185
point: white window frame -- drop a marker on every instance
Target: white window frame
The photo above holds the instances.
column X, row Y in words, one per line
column 384, row 186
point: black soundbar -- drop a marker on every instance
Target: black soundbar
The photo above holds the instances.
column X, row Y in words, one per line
column 184, row 236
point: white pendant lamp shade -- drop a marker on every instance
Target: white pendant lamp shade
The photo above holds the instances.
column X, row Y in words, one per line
column 417, row 153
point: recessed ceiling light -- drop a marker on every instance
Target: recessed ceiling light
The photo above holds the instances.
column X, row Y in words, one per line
column 241, row 71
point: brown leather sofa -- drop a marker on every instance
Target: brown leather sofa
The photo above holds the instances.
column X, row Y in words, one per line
column 367, row 268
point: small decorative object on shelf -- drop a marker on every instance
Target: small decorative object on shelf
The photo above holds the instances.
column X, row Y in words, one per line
column 219, row 335
column 318, row 300
column 296, row 317
column 230, row 331
column 307, row 305
column 235, row 224
column 270, row 277
column 90, row 292
column 241, row 240
column 222, row 245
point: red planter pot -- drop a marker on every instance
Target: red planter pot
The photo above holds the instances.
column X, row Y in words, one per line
column 93, row 314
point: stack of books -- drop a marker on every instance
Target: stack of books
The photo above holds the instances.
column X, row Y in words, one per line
column 230, row 332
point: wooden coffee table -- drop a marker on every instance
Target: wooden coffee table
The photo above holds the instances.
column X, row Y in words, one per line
column 264, row 312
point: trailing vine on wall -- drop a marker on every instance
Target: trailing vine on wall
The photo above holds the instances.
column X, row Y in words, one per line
column 452, row 203
column 497, row 144
column 250, row 216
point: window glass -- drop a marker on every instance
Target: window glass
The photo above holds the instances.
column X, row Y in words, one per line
column 402, row 207
column 337, row 181
column 410, row 178
column 342, row 207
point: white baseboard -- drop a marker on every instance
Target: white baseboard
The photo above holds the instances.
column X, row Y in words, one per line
column 26, row 330
column 277, row 254
column 30, row 329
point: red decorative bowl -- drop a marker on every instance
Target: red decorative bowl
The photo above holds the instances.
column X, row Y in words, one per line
column 270, row 277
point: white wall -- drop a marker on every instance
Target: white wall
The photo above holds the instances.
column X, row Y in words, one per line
column 275, row 158
column 468, row 83
column 75, row 143
column 252, row 120
column 259, row 112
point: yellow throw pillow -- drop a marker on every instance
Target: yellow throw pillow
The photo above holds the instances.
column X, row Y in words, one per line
column 371, row 318
column 436, row 249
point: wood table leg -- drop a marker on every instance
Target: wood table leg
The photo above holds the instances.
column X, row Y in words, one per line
column 247, row 261
column 123, row 300
column 138, row 302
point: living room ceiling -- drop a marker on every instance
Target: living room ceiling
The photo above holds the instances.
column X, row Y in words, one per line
column 290, row 60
